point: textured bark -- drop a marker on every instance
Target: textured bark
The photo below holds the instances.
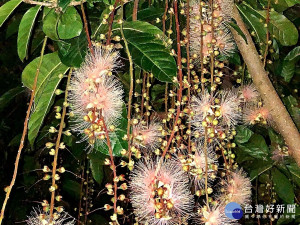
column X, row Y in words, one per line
column 282, row 120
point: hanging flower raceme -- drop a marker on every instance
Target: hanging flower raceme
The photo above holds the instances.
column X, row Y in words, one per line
column 96, row 95
column 147, row 137
column 237, row 188
column 215, row 114
column 195, row 165
column 228, row 108
column 39, row 217
column 249, row 93
column 210, row 27
column 160, row 199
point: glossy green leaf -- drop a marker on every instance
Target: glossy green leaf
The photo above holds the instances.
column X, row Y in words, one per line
column 25, row 30
column 238, row 30
column 256, row 147
column 280, row 5
column 96, row 165
column 283, row 186
column 292, row 105
column 259, row 168
column 8, row 96
column 148, row 50
column 69, row 24
column 7, row 9
column 253, row 20
column 279, row 26
column 294, row 169
column 283, row 29
column 63, row 4
column 148, row 14
column 48, row 81
column 289, row 64
column 50, row 21
column 116, row 138
column 243, row 134
column 72, row 52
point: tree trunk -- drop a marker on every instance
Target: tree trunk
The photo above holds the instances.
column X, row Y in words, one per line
column 282, row 120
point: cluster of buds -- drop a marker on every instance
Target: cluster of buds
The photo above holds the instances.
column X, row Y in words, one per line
column 195, row 165
column 209, row 35
column 214, row 115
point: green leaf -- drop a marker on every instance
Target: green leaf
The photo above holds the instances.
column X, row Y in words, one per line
column 280, row 5
column 72, row 52
column 63, row 4
column 292, row 105
column 289, row 64
column 243, row 134
column 283, row 186
column 96, row 165
column 50, row 21
column 275, row 138
column 283, row 29
column 69, row 24
column 279, row 26
column 239, row 31
column 116, row 138
column 47, row 83
column 8, row 96
column 295, row 172
column 256, row 147
column 72, row 188
column 7, row 9
column 253, row 20
column 259, row 169
column 148, row 14
column 148, row 51
column 25, row 30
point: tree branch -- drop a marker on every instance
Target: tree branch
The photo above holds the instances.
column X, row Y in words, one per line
column 51, row 4
column 280, row 116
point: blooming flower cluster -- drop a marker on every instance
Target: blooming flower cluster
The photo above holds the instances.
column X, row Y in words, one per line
column 208, row 28
column 96, row 95
column 160, row 196
column 39, row 217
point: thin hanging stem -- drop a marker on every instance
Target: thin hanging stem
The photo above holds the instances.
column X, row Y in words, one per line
column 12, row 183
column 111, row 20
column 179, row 92
column 268, row 34
column 86, row 28
column 57, row 145
column 188, row 65
column 206, row 167
column 131, row 87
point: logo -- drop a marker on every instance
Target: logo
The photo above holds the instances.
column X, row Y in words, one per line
column 233, row 211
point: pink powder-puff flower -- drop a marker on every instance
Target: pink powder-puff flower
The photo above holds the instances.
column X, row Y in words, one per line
column 254, row 115
column 39, row 217
column 238, row 188
column 249, row 93
column 221, row 39
column 214, row 216
column 202, row 106
column 147, row 137
column 197, row 165
column 96, row 95
column 160, row 199
column 229, row 108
